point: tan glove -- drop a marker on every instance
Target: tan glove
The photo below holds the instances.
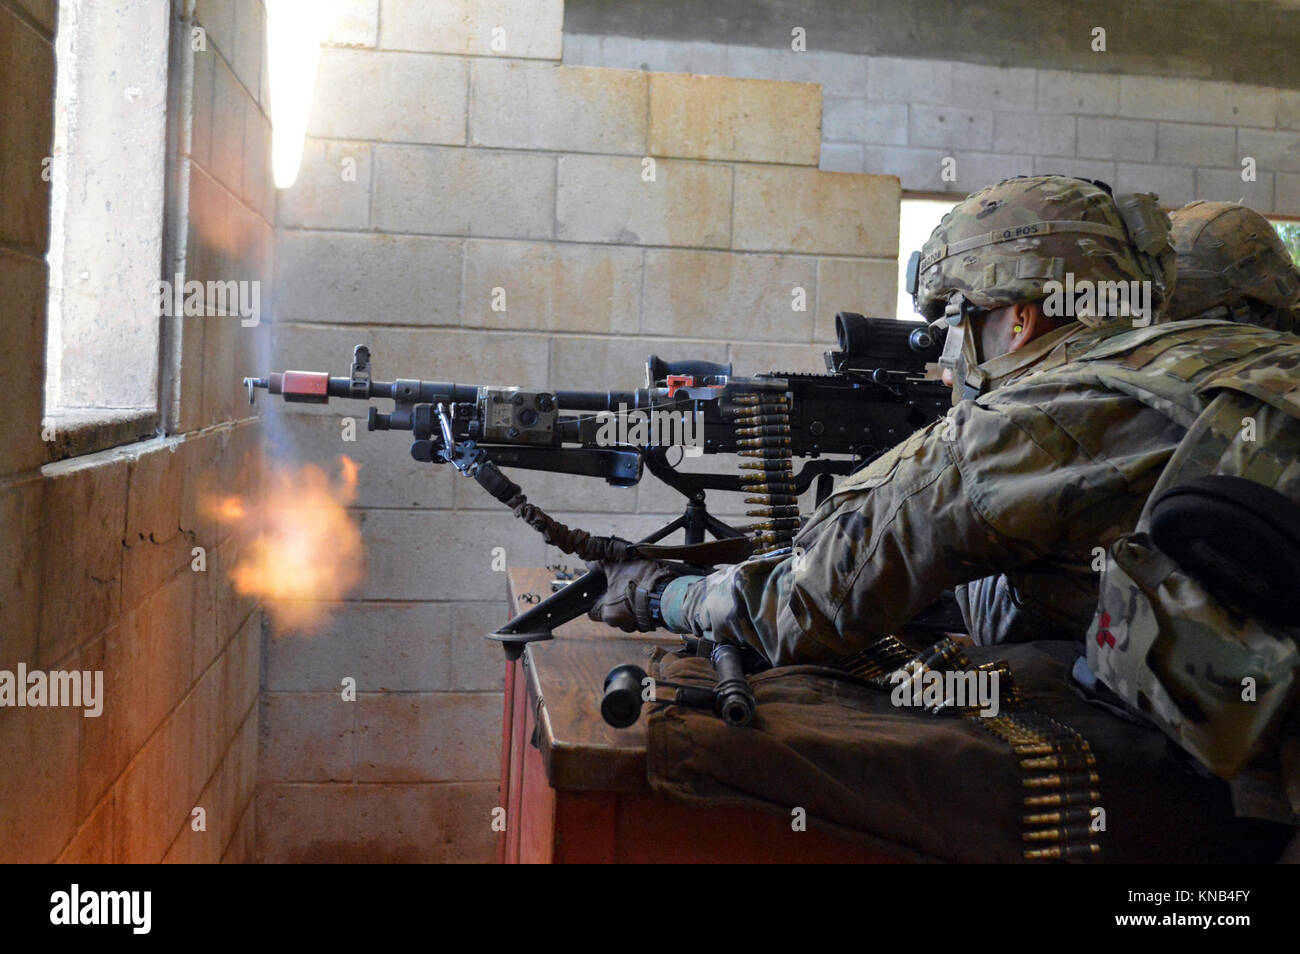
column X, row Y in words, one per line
column 625, row 603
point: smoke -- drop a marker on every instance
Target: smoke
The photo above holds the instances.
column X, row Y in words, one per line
column 305, row 551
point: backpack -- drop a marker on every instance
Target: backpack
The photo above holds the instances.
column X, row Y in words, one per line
column 1198, row 615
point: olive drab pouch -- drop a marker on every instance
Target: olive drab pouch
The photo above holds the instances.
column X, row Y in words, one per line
column 1196, row 622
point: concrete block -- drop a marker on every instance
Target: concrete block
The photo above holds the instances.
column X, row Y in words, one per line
column 93, row 842
column 355, row 23
column 975, row 170
column 395, row 541
column 332, row 190
column 549, row 490
column 840, row 74
column 976, row 86
column 306, row 737
column 476, row 663
column 564, row 287
column 1189, row 144
column 385, row 647
column 751, row 357
column 841, row 157
column 744, row 120
column 150, row 800
column 391, row 97
column 428, row 736
column 1083, row 168
column 530, row 105
column 250, row 30
column 385, row 823
column 1062, row 91
column 728, row 296
column 155, row 545
column 474, row 27
column 218, row 17
column 604, row 199
column 1273, row 151
column 242, row 848
column 1238, row 104
column 203, row 106
column 1175, row 186
column 1191, row 100
column 107, row 743
column 228, row 100
column 919, row 170
column 258, row 187
column 845, row 284
column 227, row 803
column 898, row 80
column 159, row 625
column 387, row 475
column 860, row 120
column 941, row 127
column 85, row 512
column 368, row 278
column 24, row 288
column 618, row 360
column 1034, row 133
column 507, row 195
column 1116, row 139
column 1288, row 109
column 657, row 503
column 1218, row 185
column 38, row 811
column 1287, row 199
column 759, row 62
column 468, row 839
column 803, row 210
column 43, row 12
column 21, row 508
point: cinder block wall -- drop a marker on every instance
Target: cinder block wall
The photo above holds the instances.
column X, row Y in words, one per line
column 97, row 552
column 436, row 171
column 1182, row 138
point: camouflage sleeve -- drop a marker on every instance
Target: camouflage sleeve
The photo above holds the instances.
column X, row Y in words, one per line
column 986, row 489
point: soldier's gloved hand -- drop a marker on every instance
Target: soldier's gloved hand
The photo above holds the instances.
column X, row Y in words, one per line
column 626, row 600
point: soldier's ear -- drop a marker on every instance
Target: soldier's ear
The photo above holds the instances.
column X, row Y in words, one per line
column 1027, row 323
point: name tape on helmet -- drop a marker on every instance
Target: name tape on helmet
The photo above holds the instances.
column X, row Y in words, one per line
column 1018, row 232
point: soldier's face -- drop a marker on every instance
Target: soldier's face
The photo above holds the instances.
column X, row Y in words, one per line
column 994, row 332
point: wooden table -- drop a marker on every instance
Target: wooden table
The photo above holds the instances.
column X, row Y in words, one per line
column 575, row 788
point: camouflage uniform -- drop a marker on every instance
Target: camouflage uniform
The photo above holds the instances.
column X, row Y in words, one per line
column 1028, row 480
column 1232, row 265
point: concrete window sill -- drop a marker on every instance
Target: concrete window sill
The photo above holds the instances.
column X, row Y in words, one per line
column 81, row 432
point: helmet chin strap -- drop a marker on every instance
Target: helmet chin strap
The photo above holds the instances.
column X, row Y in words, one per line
column 959, row 355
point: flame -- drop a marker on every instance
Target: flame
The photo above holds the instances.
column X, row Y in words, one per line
column 305, row 549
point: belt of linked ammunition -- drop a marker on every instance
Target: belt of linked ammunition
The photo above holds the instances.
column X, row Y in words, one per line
column 1058, row 770
column 762, row 422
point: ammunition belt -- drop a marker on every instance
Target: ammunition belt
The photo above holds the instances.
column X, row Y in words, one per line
column 1058, row 770
column 762, row 422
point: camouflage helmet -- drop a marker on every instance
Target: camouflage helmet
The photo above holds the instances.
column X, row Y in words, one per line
column 1231, row 261
column 1001, row 245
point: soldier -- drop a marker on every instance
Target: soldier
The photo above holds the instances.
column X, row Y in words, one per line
column 1068, row 407
column 1232, row 265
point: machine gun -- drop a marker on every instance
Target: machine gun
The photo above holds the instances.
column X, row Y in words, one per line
column 878, row 388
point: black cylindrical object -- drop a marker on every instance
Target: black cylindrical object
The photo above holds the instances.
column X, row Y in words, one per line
column 620, row 706
column 734, row 699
